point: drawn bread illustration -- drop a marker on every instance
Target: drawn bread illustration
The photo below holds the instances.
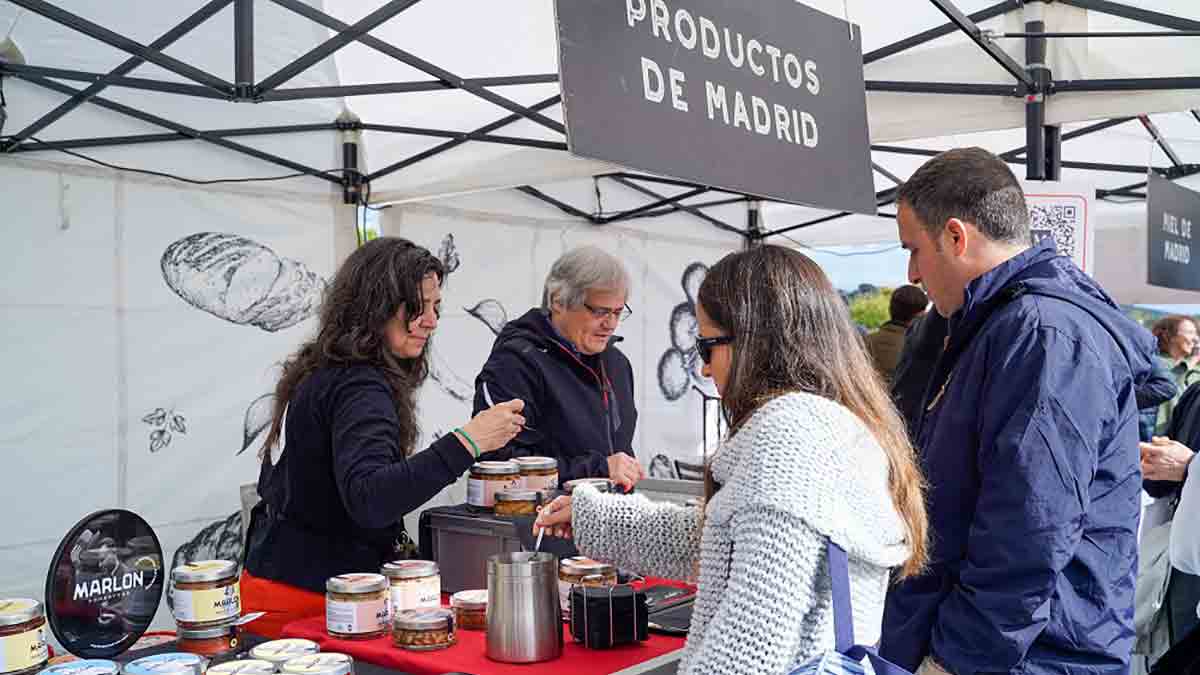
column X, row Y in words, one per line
column 241, row 280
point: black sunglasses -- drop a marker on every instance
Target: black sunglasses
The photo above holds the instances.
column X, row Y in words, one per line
column 705, row 346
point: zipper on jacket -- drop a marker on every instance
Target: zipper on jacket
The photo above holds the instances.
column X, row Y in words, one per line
column 601, row 379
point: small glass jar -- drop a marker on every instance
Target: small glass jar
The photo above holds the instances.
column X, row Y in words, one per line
column 173, row 663
column 414, row 584
column 488, row 478
column 601, row 484
column 278, row 652
column 357, row 606
column 83, row 667
column 538, row 473
column 243, row 667
column 517, row 502
column 209, row 641
column 580, row 571
column 423, row 630
column 23, row 649
column 205, row 594
column 327, row 663
column 470, row 609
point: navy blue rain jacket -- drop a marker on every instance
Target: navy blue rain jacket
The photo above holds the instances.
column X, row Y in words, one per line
column 579, row 408
column 1030, row 445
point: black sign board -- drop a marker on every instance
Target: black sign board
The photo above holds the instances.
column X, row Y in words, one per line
column 104, row 584
column 1173, row 212
column 758, row 96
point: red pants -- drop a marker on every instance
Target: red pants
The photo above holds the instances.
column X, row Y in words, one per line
column 282, row 603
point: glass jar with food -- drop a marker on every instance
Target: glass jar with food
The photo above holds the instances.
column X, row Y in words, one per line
column 538, row 473
column 243, row 667
column 601, row 484
column 357, row 606
column 278, row 652
column 488, row 478
column 414, row 584
column 205, row 594
column 423, row 629
column 83, row 667
column 173, row 663
column 516, row 502
column 209, row 642
column 327, row 663
column 23, row 649
column 581, row 571
column 470, row 609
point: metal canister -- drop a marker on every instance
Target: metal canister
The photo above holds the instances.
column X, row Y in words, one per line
column 524, row 624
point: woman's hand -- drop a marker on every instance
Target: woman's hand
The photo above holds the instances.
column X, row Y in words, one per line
column 555, row 518
column 493, row 428
column 1165, row 459
column 624, row 470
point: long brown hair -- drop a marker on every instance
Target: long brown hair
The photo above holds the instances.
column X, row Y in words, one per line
column 374, row 283
column 792, row 333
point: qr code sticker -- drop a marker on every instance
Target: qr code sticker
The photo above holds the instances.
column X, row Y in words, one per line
column 1059, row 221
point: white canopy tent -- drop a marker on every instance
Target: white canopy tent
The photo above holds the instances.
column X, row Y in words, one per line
column 108, row 311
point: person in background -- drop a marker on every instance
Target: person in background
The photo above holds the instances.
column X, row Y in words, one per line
column 907, row 304
column 561, row 359
column 1177, row 338
column 1028, row 441
column 816, row 453
column 338, row 468
column 923, row 344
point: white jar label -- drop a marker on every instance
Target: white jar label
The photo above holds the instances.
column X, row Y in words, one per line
column 416, row 593
column 541, row 482
column 353, row 618
column 483, row 492
column 23, row 650
column 210, row 604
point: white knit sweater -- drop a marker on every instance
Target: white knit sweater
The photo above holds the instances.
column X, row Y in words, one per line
column 802, row 470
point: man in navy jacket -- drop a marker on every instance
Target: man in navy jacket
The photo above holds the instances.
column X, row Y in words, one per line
column 1029, row 441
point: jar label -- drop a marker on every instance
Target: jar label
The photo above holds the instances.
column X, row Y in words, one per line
column 483, row 492
column 352, row 618
column 210, row 604
column 541, row 482
column 416, row 593
column 23, row 650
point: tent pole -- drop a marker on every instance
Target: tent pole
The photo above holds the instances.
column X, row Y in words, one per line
column 1135, row 14
column 1035, row 100
column 940, row 31
column 137, row 139
column 966, row 25
column 243, row 48
column 681, row 207
column 754, row 232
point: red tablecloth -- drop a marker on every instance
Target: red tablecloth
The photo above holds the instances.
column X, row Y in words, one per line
column 469, row 655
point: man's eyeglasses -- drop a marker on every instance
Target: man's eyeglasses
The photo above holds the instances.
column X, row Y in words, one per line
column 602, row 313
column 705, row 346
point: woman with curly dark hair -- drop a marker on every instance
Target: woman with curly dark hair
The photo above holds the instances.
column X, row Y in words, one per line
column 339, row 472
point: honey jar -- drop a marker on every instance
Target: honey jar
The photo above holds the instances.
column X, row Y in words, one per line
column 488, row 478
column 423, row 629
column 205, row 594
column 538, row 473
column 414, row 584
column 470, row 609
column 23, row 649
column 357, row 606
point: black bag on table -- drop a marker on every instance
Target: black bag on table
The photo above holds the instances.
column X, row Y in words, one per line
column 607, row 617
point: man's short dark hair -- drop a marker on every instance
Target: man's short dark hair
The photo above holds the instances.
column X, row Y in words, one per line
column 973, row 185
column 907, row 302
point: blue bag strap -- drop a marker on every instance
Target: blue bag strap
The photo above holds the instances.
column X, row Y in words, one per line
column 843, row 615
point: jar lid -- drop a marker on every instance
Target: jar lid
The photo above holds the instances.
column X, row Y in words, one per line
column 243, row 667
column 204, row 570
column 221, row 630
column 424, row 619
column 278, row 651
column 410, row 569
column 536, row 462
column 328, row 663
column 601, row 484
column 14, row 611
column 83, row 667
column 356, row 583
column 583, row 566
column 160, row 664
column 517, row 495
column 476, row 599
column 495, row 468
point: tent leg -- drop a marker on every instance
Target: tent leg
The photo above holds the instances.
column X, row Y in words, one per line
column 754, row 233
column 1053, row 145
column 243, row 48
column 1035, row 99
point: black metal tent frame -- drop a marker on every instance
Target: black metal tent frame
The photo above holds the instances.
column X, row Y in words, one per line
column 1041, row 155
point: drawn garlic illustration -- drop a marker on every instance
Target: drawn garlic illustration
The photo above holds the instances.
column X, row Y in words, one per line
column 491, row 313
column 680, row 365
column 164, row 422
column 241, row 281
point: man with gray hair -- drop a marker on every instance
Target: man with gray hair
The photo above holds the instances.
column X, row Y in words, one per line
column 1029, row 441
column 561, row 359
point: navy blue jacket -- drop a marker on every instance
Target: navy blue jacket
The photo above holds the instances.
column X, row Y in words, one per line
column 1030, row 445
column 579, row 408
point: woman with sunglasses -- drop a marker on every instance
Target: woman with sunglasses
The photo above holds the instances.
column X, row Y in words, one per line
column 561, row 359
column 816, row 452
